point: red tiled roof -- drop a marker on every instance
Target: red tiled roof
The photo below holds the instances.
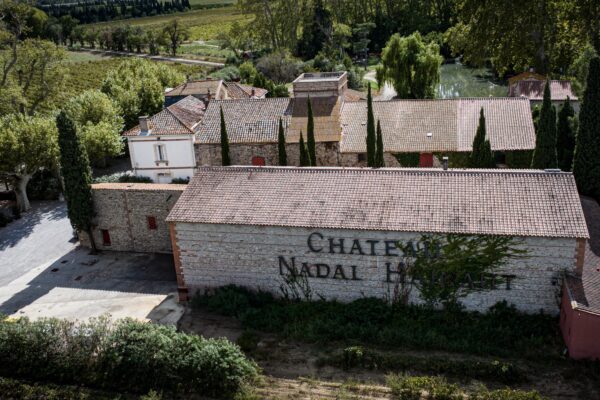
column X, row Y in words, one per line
column 202, row 87
column 452, row 124
column 180, row 118
column 493, row 202
column 534, row 90
column 238, row 91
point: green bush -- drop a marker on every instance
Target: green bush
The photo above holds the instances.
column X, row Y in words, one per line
column 17, row 390
column 405, row 387
column 123, row 178
column 357, row 356
column 180, row 181
column 127, row 355
column 503, row 331
column 44, row 185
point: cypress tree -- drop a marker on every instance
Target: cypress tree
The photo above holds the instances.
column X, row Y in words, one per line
column 77, row 176
column 481, row 155
column 281, row 145
column 310, row 135
column 304, row 155
column 565, row 137
column 544, row 155
column 379, row 159
column 586, row 166
column 371, row 137
column 225, row 160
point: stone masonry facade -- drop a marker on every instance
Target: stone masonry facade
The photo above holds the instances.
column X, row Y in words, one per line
column 132, row 216
column 213, row 255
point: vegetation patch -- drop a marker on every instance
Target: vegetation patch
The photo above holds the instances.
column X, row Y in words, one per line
column 360, row 357
column 503, row 331
column 125, row 356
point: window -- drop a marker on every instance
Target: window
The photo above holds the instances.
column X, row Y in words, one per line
column 258, row 161
column 105, row 237
column 151, row 223
column 161, row 152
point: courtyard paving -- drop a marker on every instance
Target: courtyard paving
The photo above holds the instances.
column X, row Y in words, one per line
column 44, row 273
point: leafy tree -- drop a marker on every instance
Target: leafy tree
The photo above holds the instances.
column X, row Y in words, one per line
column 225, row 160
column 77, row 176
column 304, row 154
column 586, row 165
column 481, row 155
column 176, row 34
column 565, row 136
column 247, row 72
column 371, row 135
column 98, row 124
column 137, row 87
column 412, row 66
column 544, row 155
column 27, row 145
column 281, row 145
column 310, row 135
column 379, row 158
column 317, row 31
column 442, row 266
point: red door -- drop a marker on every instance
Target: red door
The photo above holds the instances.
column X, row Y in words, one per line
column 106, row 238
column 258, row 161
column 426, row 160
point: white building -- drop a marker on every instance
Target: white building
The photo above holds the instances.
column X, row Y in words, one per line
column 162, row 146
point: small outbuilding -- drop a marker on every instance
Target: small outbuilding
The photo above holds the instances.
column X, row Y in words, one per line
column 251, row 226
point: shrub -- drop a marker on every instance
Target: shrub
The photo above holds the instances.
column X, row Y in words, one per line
column 44, row 185
column 229, row 73
column 17, row 390
column 127, row 355
column 123, row 178
column 180, row 181
column 503, row 331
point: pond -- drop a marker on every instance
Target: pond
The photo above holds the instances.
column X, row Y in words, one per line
column 457, row 80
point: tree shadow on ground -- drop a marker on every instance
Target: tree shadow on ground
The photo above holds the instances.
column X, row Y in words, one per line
column 119, row 275
column 21, row 228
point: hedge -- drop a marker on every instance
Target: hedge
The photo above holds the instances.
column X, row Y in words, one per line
column 126, row 356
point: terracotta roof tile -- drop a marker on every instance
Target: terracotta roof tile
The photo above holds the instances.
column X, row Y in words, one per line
column 452, row 124
column 180, row 118
column 238, row 91
column 197, row 88
column 497, row 202
column 534, row 90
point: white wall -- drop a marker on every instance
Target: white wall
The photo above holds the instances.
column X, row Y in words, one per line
column 181, row 160
column 218, row 255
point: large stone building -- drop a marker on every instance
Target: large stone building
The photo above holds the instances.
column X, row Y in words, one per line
column 415, row 132
column 338, row 227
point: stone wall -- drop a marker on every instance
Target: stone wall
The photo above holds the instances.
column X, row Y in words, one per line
column 123, row 209
column 217, row 255
column 242, row 154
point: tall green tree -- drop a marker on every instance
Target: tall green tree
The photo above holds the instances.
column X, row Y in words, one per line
column 371, row 134
column 281, row 145
column 27, row 145
column 544, row 155
column 77, row 176
column 310, row 135
column 586, row 166
column 481, row 155
column 175, row 33
column 304, row 154
column 565, row 136
column 379, row 158
column 225, row 160
column 99, row 125
column 317, row 31
column 412, row 65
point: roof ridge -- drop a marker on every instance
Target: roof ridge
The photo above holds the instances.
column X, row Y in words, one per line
column 177, row 119
column 464, row 171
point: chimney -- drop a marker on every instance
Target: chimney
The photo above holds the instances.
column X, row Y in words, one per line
column 253, row 93
column 144, row 124
column 445, row 163
column 209, row 96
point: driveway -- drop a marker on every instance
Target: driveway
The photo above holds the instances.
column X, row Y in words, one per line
column 44, row 273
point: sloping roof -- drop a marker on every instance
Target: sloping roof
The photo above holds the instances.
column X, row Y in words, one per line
column 180, row 118
column 534, row 90
column 238, row 91
column 452, row 124
column 354, row 95
column 326, row 118
column 202, row 87
column 496, row 202
column 247, row 121
column 525, row 75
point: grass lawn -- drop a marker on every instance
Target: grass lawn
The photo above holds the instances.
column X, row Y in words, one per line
column 78, row 57
column 204, row 24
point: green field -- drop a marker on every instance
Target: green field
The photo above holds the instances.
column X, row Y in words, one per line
column 204, row 24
